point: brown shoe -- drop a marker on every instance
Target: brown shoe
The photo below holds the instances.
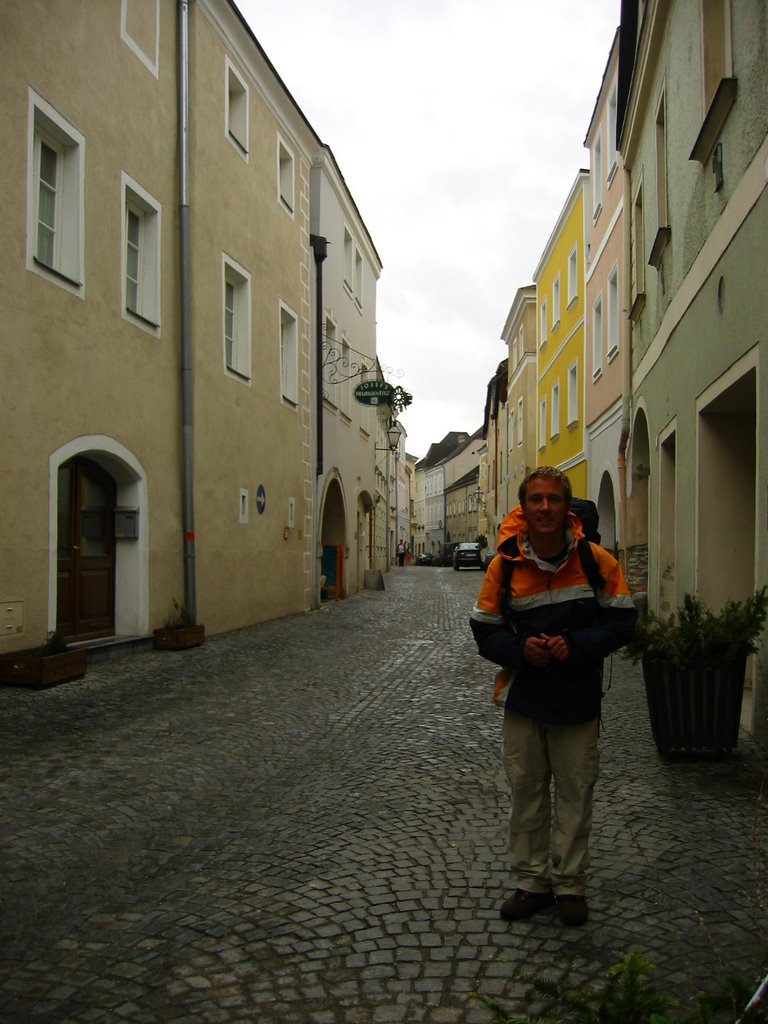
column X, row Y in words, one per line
column 573, row 910
column 522, row 904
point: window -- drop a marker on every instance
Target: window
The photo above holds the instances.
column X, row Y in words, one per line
column 358, row 277
column 611, row 153
column 349, row 258
column 573, row 275
column 237, row 319
column 597, row 177
column 573, row 394
column 716, row 46
column 542, row 423
column 613, row 313
column 520, row 421
column 718, row 81
column 346, row 384
column 597, row 338
column 55, row 201
column 637, row 256
column 555, row 302
column 543, row 322
column 353, row 268
column 289, row 355
column 141, row 254
column 236, row 117
column 663, row 233
column 554, row 428
column 140, row 30
column 285, row 176
column 514, row 353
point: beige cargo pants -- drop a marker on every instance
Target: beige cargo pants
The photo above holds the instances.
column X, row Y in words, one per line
column 549, row 831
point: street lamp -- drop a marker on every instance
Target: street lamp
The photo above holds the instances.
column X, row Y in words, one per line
column 394, row 433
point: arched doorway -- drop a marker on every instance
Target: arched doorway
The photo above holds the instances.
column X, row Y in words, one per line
column 333, row 532
column 109, row 464
column 606, row 510
column 637, row 505
column 85, row 550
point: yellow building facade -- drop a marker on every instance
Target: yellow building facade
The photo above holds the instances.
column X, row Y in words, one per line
column 559, row 280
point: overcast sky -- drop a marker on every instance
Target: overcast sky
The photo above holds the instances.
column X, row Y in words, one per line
column 459, row 127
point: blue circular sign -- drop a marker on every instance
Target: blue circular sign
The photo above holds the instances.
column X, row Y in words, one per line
column 261, row 499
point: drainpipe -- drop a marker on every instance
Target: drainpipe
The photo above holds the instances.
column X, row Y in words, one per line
column 625, row 301
column 320, row 250
column 190, row 595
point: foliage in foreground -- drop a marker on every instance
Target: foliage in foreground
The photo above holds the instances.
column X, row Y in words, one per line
column 696, row 634
column 627, row 998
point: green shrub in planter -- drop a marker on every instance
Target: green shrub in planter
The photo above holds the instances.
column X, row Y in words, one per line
column 694, row 665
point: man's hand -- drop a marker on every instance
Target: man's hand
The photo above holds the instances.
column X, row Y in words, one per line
column 536, row 651
column 556, row 646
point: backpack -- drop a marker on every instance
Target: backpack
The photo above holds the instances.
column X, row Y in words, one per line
column 587, row 514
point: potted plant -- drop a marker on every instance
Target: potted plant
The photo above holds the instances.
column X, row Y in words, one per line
column 54, row 662
column 694, row 663
column 179, row 630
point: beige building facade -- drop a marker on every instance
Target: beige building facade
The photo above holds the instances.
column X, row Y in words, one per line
column 157, row 353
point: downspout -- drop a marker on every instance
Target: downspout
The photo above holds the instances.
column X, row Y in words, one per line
column 624, row 296
column 320, row 249
column 190, row 595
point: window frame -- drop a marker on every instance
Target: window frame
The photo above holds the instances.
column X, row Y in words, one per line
column 239, row 365
column 136, row 199
column 597, row 176
column 543, row 322
column 556, row 299
column 572, row 397
column 542, row 423
column 612, row 335
column 289, row 356
column 286, row 176
column 597, row 337
column 67, row 264
column 573, row 275
column 554, row 411
column 237, row 109
column 520, row 422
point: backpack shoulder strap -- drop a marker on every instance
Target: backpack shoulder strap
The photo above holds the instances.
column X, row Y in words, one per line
column 589, row 565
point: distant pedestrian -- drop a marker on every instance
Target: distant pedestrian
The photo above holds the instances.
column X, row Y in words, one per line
column 401, row 554
column 550, row 643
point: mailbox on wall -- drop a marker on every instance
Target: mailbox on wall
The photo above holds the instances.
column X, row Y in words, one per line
column 126, row 523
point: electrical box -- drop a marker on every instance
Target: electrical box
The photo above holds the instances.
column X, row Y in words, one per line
column 126, row 523
column 12, row 618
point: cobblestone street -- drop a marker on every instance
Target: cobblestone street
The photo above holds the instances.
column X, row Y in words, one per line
column 305, row 822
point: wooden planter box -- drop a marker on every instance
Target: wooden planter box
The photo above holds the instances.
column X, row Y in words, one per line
column 694, row 710
column 37, row 668
column 178, row 638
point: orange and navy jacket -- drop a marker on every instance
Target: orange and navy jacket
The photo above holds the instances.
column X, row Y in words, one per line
column 557, row 601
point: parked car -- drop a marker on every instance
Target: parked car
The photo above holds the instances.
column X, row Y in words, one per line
column 446, row 555
column 467, row 555
column 488, row 556
column 425, row 558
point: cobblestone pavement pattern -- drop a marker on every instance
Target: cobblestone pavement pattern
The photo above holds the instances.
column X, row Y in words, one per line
column 305, row 822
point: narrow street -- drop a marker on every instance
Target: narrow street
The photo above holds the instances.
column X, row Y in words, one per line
column 305, row 822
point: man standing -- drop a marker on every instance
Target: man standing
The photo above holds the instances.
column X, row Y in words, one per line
column 540, row 618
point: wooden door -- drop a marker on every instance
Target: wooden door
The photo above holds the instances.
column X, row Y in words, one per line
column 86, row 551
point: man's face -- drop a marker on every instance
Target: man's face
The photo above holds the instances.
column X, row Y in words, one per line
column 544, row 507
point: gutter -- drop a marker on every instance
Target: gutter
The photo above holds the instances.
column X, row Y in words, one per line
column 626, row 365
column 190, row 594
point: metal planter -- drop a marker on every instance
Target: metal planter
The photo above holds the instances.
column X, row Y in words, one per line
column 694, row 710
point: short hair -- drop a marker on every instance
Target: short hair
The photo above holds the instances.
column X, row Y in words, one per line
column 549, row 473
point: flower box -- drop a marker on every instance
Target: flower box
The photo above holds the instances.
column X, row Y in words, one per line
column 38, row 667
column 178, row 638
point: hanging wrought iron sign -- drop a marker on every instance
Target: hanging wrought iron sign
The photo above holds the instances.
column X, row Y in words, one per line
column 374, row 392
